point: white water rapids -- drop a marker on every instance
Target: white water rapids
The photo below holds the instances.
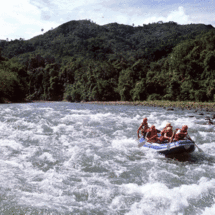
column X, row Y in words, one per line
column 70, row 158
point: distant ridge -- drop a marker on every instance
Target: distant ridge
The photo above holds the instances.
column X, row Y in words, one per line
column 88, row 39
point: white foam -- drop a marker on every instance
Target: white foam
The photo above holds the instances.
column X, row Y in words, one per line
column 7, row 110
column 94, row 163
column 47, row 156
column 122, row 142
column 209, row 210
column 175, row 200
column 80, row 111
column 11, row 144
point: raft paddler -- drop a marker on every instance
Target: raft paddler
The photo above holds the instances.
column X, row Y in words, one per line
column 143, row 128
column 152, row 135
column 180, row 134
column 165, row 129
column 167, row 135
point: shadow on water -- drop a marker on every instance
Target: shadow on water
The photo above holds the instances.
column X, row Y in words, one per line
column 195, row 158
column 185, row 157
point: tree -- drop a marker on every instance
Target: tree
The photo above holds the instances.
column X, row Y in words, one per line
column 139, row 92
column 125, row 84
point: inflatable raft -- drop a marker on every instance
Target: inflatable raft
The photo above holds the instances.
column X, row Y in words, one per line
column 178, row 147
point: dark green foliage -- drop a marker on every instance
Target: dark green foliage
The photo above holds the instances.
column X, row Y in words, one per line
column 154, row 96
column 139, row 91
column 192, row 65
column 85, row 38
column 126, row 84
column 44, row 79
column 80, row 60
column 91, row 80
column 13, row 81
column 200, row 95
column 1, row 58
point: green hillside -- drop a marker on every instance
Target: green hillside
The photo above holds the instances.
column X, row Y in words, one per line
column 81, row 60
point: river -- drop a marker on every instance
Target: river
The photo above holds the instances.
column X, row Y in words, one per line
column 73, row 158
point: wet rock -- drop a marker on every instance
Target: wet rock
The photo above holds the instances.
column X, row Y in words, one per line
column 213, row 117
column 191, row 116
column 207, row 118
column 210, row 122
column 201, row 114
column 169, row 109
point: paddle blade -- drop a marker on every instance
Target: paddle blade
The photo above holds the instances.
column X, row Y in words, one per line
column 200, row 150
column 141, row 144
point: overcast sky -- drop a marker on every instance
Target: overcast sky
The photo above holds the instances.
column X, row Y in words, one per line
column 26, row 18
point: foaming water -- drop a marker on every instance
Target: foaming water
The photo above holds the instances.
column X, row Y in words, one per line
column 65, row 158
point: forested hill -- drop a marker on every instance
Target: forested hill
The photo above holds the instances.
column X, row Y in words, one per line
column 85, row 38
column 81, row 60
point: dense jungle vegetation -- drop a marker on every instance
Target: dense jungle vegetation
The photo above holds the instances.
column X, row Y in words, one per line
column 81, row 60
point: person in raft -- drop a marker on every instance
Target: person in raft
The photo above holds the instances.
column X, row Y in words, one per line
column 143, row 128
column 180, row 134
column 152, row 135
column 166, row 135
column 165, row 129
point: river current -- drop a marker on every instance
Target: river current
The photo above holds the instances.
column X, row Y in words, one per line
column 74, row 158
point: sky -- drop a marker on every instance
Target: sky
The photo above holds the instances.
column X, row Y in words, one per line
column 26, row 18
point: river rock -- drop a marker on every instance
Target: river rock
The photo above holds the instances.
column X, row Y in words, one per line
column 169, row 109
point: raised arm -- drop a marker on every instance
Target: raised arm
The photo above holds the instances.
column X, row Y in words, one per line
column 138, row 130
column 188, row 137
column 173, row 135
column 165, row 136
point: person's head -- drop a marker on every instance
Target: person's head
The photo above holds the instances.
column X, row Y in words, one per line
column 168, row 129
column 144, row 121
column 168, row 124
column 152, row 127
column 184, row 128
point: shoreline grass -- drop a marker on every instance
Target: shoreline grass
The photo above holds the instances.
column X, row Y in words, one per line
column 188, row 105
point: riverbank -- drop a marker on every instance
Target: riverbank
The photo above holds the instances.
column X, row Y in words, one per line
column 169, row 105
column 6, row 101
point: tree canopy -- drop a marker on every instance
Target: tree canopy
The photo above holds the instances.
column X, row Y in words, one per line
column 81, row 60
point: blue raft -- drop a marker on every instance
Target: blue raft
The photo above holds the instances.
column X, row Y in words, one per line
column 178, row 147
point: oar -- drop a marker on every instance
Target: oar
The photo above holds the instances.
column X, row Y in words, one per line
column 141, row 144
column 173, row 136
column 200, row 150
